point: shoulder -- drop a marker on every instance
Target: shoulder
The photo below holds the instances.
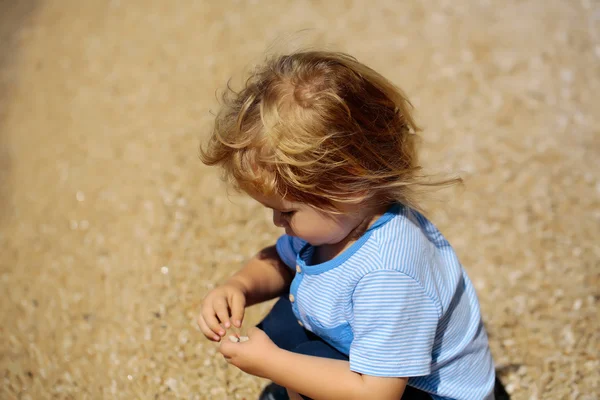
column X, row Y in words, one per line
column 403, row 244
column 410, row 247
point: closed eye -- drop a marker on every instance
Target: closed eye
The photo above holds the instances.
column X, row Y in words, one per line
column 288, row 213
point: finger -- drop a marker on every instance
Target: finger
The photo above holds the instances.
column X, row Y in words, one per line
column 238, row 305
column 210, row 335
column 222, row 312
column 212, row 322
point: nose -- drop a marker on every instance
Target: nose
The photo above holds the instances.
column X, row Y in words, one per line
column 278, row 219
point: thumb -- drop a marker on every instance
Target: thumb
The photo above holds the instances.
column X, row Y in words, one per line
column 238, row 306
column 255, row 332
column 227, row 349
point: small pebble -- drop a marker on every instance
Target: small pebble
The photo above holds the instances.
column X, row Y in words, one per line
column 236, row 339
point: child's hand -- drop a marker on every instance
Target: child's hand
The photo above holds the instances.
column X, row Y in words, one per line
column 215, row 317
column 250, row 356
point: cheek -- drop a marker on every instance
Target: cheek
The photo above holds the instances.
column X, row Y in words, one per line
column 317, row 230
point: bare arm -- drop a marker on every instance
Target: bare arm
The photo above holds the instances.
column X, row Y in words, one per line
column 328, row 379
column 263, row 278
column 316, row 377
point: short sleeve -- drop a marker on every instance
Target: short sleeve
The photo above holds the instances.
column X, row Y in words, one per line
column 394, row 326
column 288, row 248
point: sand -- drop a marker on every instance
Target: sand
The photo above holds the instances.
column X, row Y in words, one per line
column 112, row 231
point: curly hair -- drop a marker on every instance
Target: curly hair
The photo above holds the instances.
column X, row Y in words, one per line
column 319, row 128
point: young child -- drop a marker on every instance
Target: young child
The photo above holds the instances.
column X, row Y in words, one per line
column 374, row 302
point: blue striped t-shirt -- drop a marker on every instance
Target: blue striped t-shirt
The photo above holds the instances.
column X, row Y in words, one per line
column 399, row 304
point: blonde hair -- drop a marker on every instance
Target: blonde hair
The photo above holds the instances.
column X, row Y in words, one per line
column 318, row 128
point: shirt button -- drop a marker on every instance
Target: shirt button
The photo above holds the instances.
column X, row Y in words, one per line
column 300, row 323
column 298, row 269
column 292, row 298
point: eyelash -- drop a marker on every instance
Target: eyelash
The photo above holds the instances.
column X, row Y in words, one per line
column 288, row 213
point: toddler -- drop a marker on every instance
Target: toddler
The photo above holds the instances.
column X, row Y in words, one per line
column 374, row 303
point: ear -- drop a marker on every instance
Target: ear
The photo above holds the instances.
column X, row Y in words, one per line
column 354, row 202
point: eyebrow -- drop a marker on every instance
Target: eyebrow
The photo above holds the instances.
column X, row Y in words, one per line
column 267, row 205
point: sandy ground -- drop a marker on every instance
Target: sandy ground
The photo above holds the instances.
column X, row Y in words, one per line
column 112, row 231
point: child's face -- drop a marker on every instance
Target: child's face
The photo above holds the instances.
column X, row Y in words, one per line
column 315, row 227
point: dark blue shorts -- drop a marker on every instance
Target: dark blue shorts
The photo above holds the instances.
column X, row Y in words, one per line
column 283, row 329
